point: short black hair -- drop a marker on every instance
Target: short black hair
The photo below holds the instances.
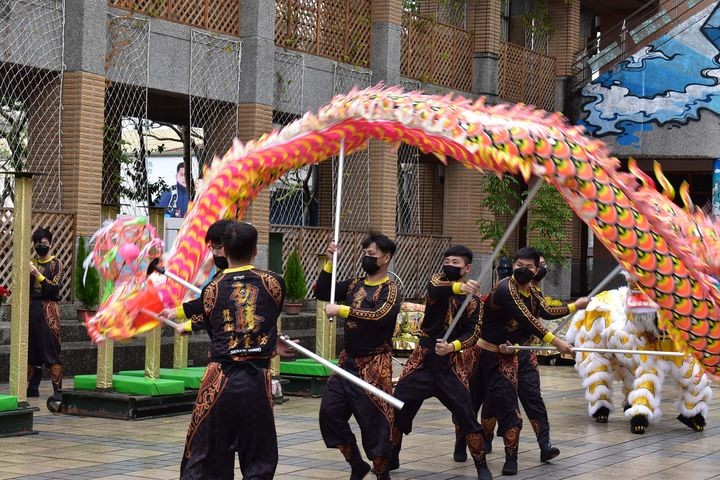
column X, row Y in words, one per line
column 215, row 231
column 384, row 244
column 179, row 166
column 41, row 233
column 527, row 253
column 239, row 241
column 459, row 251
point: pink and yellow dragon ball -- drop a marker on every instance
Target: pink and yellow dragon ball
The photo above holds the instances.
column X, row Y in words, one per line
column 625, row 214
column 625, row 319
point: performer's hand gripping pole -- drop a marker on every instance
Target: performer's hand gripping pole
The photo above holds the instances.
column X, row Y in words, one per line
column 347, row 375
column 489, row 264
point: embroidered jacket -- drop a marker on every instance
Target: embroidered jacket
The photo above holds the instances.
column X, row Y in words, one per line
column 512, row 315
column 46, row 285
column 370, row 311
column 442, row 303
column 240, row 311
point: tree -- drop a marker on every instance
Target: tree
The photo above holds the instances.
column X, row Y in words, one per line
column 502, row 195
column 546, row 230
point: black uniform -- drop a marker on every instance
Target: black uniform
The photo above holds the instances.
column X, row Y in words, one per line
column 233, row 411
column 511, row 315
column 370, row 313
column 44, row 327
column 427, row 374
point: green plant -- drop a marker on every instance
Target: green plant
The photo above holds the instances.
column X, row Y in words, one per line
column 87, row 287
column 295, row 287
column 546, row 230
column 502, row 195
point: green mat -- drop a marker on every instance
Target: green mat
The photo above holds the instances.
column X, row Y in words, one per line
column 8, row 402
column 133, row 385
column 190, row 376
column 307, row 367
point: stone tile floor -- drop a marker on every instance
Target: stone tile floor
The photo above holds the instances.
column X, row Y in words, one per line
column 83, row 448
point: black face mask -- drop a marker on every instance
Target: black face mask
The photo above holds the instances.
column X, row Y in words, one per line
column 452, row 273
column 221, row 263
column 369, row 264
column 523, row 275
column 542, row 271
column 42, row 250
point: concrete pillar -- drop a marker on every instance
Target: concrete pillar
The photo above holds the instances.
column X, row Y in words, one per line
column 257, row 30
column 82, row 148
column 484, row 21
column 564, row 41
column 385, row 51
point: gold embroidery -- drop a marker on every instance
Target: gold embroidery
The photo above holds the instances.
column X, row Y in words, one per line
column 272, row 285
column 515, row 295
column 358, row 298
column 211, row 387
column 390, row 302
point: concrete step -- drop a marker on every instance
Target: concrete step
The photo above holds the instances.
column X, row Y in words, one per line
column 81, row 357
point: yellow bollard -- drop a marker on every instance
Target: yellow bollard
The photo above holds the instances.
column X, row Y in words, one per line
column 106, row 349
column 325, row 328
column 22, row 221
column 153, row 340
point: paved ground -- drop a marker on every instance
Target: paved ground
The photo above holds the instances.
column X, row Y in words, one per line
column 82, row 448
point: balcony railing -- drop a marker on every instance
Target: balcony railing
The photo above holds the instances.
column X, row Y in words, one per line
column 526, row 76
column 329, row 28
column 221, row 16
column 436, row 53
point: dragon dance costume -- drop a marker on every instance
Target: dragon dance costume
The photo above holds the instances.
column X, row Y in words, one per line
column 233, row 412
column 428, row 374
column 370, row 314
column 44, row 328
column 512, row 315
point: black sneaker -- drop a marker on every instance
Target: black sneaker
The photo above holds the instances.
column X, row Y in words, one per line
column 32, row 393
column 460, row 453
column 510, row 467
column 548, row 452
column 483, row 473
column 359, row 471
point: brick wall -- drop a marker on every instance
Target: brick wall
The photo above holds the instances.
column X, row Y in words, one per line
column 82, row 148
column 254, row 120
column 483, row 20
column 565, row 38
column 388, row 11
column 383, row 187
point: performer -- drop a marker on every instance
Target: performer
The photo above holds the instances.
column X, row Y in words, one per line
column 44, row 328
column 233, row 411
column 434, row 368
column 370, row 313
column 529, row 391
column 511, row 317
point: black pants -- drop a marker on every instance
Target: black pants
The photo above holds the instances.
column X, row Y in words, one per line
column 429, row 375
column 529, row 394
column 501, row 375
column 343, row 399
column 233, row 414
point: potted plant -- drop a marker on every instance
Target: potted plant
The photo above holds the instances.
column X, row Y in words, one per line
column 295, row 288
column 87, row 286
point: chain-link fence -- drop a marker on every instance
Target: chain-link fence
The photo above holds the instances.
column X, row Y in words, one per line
column 31, row 74
column 293, row 198
column 407, row 219
column 124, row 178
column 355, row 208
column 214, row 94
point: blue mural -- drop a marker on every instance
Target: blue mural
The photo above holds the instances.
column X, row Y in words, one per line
column 668, row 82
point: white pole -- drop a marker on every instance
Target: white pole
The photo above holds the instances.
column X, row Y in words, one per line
column 487, row 266
column 594, row 292
column 599, row 350
column 346, row 375
column 336, row 234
